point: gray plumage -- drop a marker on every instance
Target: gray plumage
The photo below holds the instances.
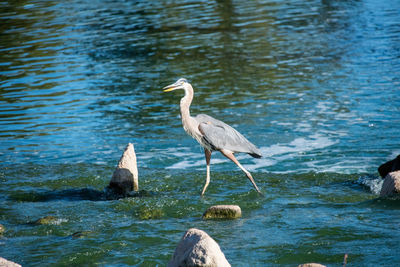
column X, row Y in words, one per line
column 220, row 135
column 212, row 134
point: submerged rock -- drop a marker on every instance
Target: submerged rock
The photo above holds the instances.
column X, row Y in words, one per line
column 198, row 249
column 223, row 212
column 7, row 263
column 390, row 166
column 81, row 234
column 391, row 184
column 125, row 177
column 2, row 230
column 311, row 265
column 148, row 213
column 48, row 220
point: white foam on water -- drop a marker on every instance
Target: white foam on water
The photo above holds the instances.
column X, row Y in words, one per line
column 197, row 163
column 271, row 155
column 374, row 184
column 281, row 152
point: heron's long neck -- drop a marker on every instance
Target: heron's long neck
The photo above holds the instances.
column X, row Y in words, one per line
column 185, row 104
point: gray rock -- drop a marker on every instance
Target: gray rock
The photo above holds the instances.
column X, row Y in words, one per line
column 311, row 265
column 391, row 184
column 223, row 212
column 198, row 249
column 125, row 177
column 7, row 263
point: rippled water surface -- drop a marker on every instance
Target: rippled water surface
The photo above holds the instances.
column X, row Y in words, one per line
column 314, row 84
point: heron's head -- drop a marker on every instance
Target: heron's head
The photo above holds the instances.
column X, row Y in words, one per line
column 179, row 84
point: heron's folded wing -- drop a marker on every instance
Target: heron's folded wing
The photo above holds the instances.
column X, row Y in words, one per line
column 222, row 136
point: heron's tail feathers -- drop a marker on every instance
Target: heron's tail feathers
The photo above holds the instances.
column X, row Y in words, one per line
column 255, row 155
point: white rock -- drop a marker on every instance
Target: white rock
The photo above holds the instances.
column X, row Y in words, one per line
column 391, row 184
column 197, row 248
column 7, row 263
column 125, row 177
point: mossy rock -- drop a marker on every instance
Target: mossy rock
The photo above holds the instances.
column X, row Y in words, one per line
column 223, row 212
column 147, row 213
column 48, row 220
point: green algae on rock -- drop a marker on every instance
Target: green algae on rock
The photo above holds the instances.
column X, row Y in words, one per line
column 223, row 212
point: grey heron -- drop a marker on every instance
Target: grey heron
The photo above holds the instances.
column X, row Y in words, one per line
column 212, row 134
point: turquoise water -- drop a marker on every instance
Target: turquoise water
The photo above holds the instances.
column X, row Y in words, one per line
column 314, row 84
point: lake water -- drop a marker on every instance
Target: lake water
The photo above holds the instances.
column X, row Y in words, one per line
column 314, row 84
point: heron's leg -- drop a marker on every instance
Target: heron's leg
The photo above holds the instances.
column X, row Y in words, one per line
column 207, row 153
column 230, row 156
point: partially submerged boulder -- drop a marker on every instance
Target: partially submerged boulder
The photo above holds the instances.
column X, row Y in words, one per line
column 81, row 234
column 125, row 177
column 390, row 166
column 311, row 265
column 391, row 184
column 48, row 220
column 7, row 263
column 223, row 212
column 198, row 249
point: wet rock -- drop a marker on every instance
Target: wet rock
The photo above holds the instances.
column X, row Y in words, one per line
column 148, row 213
column 2, row 230
column 223, row 212
column 391, row 184
column 390, row 166
column 197, row 248
column 125, row 177
column 81, row 234
column 48, row 220
column 311, row 265
column 7, row 263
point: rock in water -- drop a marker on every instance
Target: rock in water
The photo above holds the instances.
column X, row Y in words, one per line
column 2, row 230
column 390, row 166
column 198, row 249
column 7, row 263
column 311, row 265
column 391, row 184
column 223, row 212
column 125, row 177
column 48, row 220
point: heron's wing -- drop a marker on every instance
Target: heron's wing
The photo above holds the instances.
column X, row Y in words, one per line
column 222, row 136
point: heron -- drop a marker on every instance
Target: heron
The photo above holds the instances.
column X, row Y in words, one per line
column 212, row 134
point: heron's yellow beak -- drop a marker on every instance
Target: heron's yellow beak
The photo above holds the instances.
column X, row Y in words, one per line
column 169, row 88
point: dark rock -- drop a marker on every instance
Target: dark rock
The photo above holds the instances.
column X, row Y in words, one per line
column 81, row 234
column 198, row 249
column 390, row 166
column 125, row 177
column 391, row 184
column 223, row 212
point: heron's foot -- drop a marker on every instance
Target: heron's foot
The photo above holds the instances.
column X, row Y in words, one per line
column 253, row 182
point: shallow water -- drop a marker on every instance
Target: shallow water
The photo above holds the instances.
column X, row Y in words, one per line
column 314, row 84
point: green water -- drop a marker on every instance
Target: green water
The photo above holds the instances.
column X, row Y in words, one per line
column 314, row 84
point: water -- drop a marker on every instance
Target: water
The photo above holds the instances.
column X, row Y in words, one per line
column 314, row 84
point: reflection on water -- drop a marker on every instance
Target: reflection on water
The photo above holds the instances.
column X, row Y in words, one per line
column 314, row 84
column 80, row 82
